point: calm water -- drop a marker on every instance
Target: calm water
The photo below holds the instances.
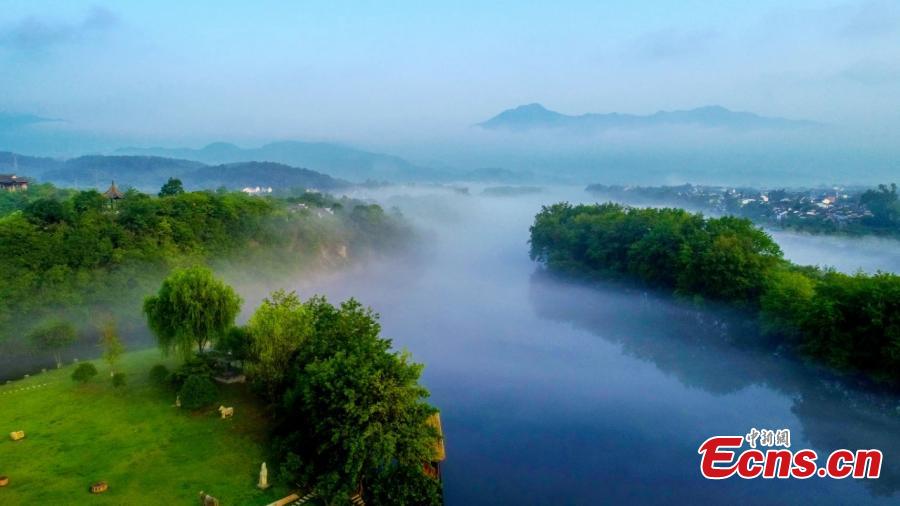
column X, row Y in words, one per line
column 555, row 393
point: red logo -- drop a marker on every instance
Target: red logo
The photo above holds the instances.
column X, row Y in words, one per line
column 720, row 459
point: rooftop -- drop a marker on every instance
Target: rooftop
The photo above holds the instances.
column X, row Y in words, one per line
column 12, row 179
column 113, row 193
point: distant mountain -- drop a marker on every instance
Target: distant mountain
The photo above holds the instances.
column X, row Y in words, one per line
column 336, row 160
column 150, row 172
column 136, row 171
column 276, row 175
column 12, row 163
column 536, row 116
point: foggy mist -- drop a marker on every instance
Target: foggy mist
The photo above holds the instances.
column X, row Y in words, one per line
column 546, row 384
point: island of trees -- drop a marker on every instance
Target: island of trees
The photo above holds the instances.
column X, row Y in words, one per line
column 851, row 321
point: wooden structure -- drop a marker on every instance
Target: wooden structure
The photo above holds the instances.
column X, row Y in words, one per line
column 433, row 468
column 17, row 435
column 12, row 182
column 113, row 192
column 99, row 487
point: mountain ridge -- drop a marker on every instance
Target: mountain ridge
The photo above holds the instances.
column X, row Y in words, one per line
column 535, row 116
column 150, row 172
column 334, row 159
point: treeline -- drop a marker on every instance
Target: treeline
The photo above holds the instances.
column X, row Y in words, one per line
column 69, row 254
column 850, row 321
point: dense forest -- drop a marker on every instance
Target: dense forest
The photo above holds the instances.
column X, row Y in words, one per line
column 850, row 321
column 77, row 255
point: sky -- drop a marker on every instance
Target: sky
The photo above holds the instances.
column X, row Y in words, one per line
column 387, row 73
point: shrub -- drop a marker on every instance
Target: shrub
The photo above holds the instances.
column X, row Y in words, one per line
column 84, row 372
column 159, row 375
column 197, row 392
column 198, row 365
column 118, row 379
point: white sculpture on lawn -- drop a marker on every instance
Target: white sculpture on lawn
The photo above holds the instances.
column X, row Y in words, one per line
column 263, row 477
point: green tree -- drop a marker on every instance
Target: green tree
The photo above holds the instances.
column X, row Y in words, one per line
column 277, row 329
column 352, row 408
column 406, row 485
column 171, row 188
column 118, row 379
column 884, row 205
column 197, row 392
column 84, row 372
column 111, row 344
column 159, row 375
column 45, row 212
column 785, row 305
column 53, row 337
column 191, row 309
column 729, row 261
column 237, row 343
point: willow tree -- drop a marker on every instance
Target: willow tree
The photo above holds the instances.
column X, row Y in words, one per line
column 191, row 310
column 276, row 330
column 54, row 337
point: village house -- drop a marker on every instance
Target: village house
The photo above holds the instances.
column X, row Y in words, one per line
column 258, row 190
column 12, row 182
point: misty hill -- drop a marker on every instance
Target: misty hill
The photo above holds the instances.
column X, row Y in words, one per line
column 276, row 175
column 150, row 172
column 536, row 116
column 340, row 161
column 26, row 165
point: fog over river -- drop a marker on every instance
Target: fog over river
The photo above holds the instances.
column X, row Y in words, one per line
column 556, row 393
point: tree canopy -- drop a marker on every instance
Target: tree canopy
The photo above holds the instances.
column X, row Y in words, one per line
column 171, row 188
column 348, row 409
column 67, row 251
column 53, row 337
column 277, row 329
column 191, row 309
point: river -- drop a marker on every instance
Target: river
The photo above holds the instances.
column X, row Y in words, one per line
column 556, row 393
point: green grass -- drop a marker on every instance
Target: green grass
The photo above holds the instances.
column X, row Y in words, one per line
column 133, row 438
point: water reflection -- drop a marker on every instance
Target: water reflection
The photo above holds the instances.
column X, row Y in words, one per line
column 702, row 351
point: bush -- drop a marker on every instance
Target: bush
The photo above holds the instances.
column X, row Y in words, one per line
column 84, row 372
column 197, row 392
column 118, row 379
column 198, row 365
column 159, row 375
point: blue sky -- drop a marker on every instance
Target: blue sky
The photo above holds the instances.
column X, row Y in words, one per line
column 179, row 72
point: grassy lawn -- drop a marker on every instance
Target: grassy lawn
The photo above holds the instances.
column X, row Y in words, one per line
column 133, row 438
